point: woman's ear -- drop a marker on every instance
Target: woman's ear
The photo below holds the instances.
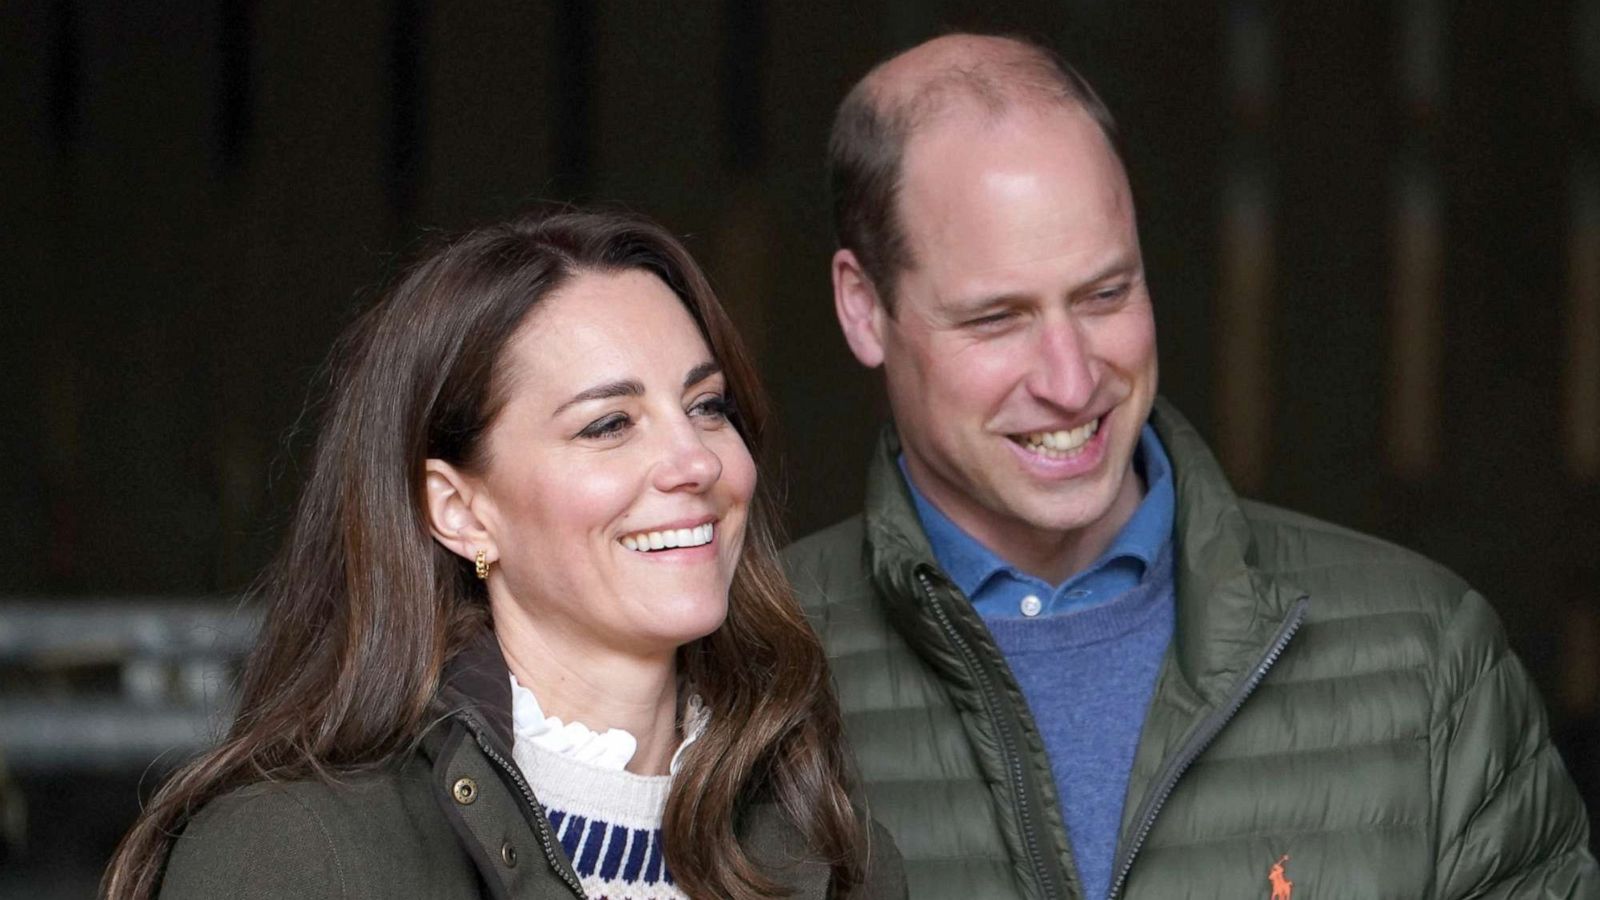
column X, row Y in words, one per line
column 452, row 512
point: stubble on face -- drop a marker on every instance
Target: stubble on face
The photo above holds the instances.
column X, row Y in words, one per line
column 1021, row 356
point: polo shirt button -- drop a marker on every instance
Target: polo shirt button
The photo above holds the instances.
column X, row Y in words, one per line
column 1031, row 605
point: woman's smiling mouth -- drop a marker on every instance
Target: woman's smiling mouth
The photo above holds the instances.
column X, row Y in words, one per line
column 669, row 538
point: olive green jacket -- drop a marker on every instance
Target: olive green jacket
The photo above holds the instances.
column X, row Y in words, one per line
column 453, row 819
column 1336, row 717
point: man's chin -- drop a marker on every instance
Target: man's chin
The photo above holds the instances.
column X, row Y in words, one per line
column 1065, row 508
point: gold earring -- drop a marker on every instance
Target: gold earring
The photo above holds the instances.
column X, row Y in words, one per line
column 480, row 564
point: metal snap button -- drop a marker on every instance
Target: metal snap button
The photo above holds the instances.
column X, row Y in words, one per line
column 465, row 791
column 508, row 853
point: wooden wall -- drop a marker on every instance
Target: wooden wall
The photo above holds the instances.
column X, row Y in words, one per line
column 1372, row 232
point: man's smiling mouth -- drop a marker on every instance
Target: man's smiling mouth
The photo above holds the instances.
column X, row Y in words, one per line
column 1063, row 444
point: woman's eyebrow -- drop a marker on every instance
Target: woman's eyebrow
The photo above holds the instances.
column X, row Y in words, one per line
column 628, row 387
column 632, row 387
column 701, row 373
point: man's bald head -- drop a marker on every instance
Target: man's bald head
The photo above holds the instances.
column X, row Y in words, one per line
column 906, row 93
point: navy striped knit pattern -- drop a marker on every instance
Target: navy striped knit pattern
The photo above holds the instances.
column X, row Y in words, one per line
column 617, row 860
column 608, row 822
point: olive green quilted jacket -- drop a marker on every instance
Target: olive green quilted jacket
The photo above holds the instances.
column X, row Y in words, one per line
column 1336, row 718
column 452, row 820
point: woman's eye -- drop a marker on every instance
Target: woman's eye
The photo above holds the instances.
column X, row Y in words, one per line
column 712, row 407
column 605, row 427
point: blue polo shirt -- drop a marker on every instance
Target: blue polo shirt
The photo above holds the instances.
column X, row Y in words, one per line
column 999, row 589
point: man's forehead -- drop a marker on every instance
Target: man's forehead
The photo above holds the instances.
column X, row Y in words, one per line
column 983, row 200
column 973, row 165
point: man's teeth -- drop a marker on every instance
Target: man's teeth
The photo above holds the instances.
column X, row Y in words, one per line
column 669, row 539
column 1059, row 444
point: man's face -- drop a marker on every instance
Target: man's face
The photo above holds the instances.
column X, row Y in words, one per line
column 1021, row 356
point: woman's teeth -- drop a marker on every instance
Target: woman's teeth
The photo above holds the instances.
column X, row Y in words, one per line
column 1059, row 444
column 672, row 538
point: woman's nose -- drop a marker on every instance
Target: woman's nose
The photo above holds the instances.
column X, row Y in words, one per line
column 687, row 463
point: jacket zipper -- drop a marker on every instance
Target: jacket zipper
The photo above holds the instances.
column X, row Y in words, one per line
column 1209, row 728
column 1008, row 745
column 541, row 823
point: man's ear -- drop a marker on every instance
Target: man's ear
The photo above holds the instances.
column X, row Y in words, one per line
column 452, row 515
column 861, row 313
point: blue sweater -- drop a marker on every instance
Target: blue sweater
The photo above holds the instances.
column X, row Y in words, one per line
column 1088, row 677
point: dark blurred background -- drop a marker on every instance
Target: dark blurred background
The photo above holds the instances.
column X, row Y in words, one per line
column 1372, row 231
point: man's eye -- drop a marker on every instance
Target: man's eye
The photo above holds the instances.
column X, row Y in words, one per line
column 990, row 321
column 605, row 427
column 1110, row 294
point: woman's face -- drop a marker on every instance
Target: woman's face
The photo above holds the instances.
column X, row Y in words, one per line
column 615, row 489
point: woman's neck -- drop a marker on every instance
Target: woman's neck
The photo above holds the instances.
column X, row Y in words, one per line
column 639, row 696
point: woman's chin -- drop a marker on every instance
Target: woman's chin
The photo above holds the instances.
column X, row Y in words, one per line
column 685, row 620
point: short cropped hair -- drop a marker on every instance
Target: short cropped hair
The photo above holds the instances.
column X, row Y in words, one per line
column 866, row 148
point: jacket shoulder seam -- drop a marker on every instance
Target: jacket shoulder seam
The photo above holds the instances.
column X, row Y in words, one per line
column 322, row 828
column 333, row 846
column 1500, row 657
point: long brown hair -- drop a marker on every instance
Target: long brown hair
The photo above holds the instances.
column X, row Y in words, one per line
column 363, row 607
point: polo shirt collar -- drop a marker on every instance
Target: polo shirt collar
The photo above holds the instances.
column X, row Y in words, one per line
column 971, row 565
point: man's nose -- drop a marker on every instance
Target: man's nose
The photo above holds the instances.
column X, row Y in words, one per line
column 686, row 462
column 1063, row 373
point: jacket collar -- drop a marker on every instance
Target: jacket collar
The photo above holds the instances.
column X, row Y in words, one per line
column 1227, row 609
column 896, row 550
column 477, row 680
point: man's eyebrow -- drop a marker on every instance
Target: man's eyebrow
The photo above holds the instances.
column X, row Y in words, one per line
column 969, row 305
column 628, row 387
column 1122, row 265
column 701, row 373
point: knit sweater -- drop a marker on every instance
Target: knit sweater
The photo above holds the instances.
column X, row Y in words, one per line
column 607, row 819
column 1088, row 676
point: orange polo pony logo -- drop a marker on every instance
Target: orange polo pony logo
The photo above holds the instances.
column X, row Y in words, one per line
column 1282, row 887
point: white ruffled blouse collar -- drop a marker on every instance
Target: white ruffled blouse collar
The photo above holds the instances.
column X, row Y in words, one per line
column 611, row 749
